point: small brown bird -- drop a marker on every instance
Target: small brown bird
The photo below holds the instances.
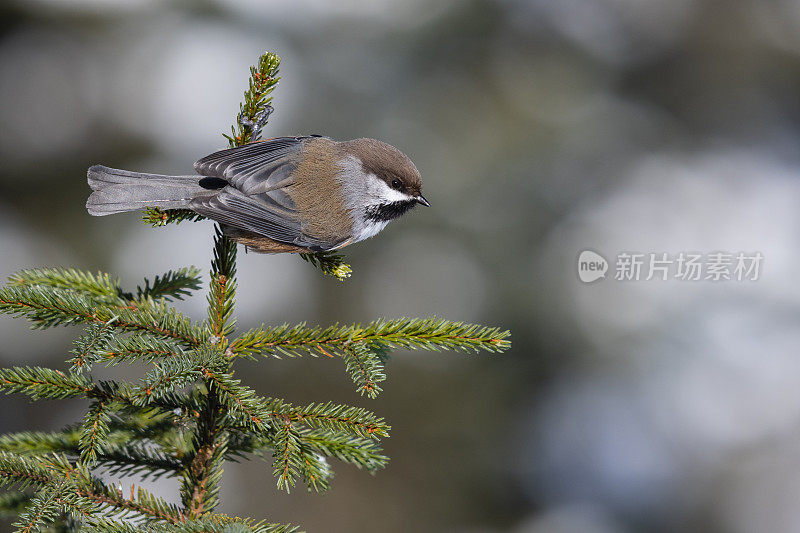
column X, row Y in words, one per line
column 288, row 194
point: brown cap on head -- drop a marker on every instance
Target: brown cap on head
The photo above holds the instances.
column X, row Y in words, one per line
column 387, row 163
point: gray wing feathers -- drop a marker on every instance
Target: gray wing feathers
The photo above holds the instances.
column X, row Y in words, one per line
column 248, row 164
column 256, row 169
column 259, row 214
column 258, row 198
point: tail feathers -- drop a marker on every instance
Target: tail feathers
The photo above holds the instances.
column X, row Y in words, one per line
column 116, row 191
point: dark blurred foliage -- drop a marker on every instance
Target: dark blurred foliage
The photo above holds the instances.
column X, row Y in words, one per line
column 541, row 128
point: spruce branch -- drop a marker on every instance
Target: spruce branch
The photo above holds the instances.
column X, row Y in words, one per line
column 152, row 424
column 174, row 284
column 243, row 405
column 85, row 495
column 138, row 459
column 202, row 476
column 288, row 458
column 100, row 286
column 21, row 472
column 256, row 108
column 156, row 318
column 221, row 297
column 90, row 345
column 121, row 454
column 138, row 347
column 48, row 384
column 94, row 430
column 82, row 494
column 43, row 509
column 344, row 418
column 200, row 489
column 431, row 334
column 293, row 459
column 144, row 505
column 358, row 451
column 97, row 286
column 361, row 452
column 279, row 426
column 165, row 377
column 40, row 442
column 251, row 411
column 53, row 307
column 157, row 217
column 44, row 383
column 365, row 368
column 47, row 308
column 208, row 523
column 133, row 397
column 330, row 263
column 216, row 523
column 103, row 525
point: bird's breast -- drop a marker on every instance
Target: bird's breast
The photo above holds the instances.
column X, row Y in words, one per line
column 317, row 193
column 367, row 228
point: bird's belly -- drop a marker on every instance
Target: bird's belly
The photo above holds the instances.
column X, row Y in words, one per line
column 367, row 229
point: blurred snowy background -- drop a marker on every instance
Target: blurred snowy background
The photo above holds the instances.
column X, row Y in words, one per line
column 542, row 128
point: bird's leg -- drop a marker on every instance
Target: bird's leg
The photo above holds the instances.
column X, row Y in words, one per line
column 258, row 122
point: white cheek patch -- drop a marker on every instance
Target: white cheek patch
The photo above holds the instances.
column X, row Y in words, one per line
column 379, row 192
column 362, row 189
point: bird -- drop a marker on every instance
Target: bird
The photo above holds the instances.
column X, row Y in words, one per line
column 302, row 194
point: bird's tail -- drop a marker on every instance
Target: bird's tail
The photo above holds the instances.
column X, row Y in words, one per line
column 116, row 191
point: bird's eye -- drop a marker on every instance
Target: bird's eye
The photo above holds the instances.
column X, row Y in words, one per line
column 397, row 184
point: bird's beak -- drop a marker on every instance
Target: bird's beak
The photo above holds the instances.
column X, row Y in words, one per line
column 421, row 200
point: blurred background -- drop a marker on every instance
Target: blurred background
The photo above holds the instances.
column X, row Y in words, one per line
column 541, row 128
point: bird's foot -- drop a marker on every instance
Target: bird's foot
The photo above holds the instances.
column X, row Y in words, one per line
column 258, row 122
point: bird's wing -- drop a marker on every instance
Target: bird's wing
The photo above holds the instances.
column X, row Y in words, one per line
column 258, row 196
column 259, row 215
column 254, row 167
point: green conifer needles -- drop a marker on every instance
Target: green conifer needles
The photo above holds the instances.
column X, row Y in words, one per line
column 189, row 413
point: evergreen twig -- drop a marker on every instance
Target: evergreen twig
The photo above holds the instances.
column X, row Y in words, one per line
column 54, row 307
column 94, row 430
column 138, row 347
column 174, row 284
column 98, row 286
column 330, row 263
column 365, row 368
column 89, row 346
column 432, row 334
column 43, row 509
column 157, row 217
